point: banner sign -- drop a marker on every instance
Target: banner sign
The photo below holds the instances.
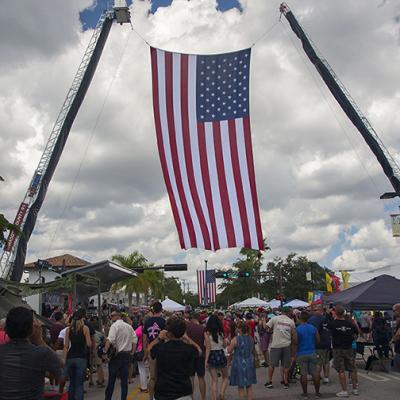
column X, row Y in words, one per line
column 395, row 224
column 18, row 222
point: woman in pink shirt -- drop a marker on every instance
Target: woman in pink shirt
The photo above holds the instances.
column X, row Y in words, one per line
column 3, row 335
column 139, row 354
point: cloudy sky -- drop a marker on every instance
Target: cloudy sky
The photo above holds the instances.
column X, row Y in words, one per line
column 318, row 183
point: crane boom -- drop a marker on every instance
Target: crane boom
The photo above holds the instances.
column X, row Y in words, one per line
column 13, row 257
column 348, row 105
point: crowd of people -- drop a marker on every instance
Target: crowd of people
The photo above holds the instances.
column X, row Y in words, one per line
column 172, row 352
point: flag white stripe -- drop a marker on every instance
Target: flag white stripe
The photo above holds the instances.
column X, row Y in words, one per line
column 241, row 146
column 216, row 196
column 230, row 182
column 176, row 79
column 194, row 144
column 167, row 145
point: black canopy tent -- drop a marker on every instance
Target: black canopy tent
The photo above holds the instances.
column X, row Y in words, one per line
column 379, row 293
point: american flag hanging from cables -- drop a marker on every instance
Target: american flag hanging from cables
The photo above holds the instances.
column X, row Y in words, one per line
column 201, row 113
column 209, row 283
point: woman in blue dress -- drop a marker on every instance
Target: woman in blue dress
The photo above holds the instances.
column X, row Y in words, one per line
column 243, row 371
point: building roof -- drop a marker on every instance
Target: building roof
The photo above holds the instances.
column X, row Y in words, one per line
column 64, row 261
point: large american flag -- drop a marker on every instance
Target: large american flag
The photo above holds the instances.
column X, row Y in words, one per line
column 201, row 112
column 211, row 286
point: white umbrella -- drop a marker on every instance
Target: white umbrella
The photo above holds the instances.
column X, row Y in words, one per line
column 171, row 305
column 251, row 302
column 274, row 304
column 296, row 303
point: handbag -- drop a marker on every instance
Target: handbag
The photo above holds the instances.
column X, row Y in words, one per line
column 139, row 355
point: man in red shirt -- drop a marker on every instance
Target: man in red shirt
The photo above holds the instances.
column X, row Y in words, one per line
column 225, row 325
column 251, row 323
column 3, row 335
column 195, row 331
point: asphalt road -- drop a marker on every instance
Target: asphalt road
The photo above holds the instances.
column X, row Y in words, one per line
column 373, row 386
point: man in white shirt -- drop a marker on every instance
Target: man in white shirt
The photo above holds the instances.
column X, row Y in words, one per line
column 123, row 338
column 283, row 345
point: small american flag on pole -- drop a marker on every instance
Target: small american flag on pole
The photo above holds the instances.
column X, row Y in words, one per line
column 201, row 113
column 206, row 288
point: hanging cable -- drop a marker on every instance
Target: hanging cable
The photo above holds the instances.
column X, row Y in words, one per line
column 67, row 201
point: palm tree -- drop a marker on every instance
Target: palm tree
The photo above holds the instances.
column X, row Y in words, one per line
column 138, row 284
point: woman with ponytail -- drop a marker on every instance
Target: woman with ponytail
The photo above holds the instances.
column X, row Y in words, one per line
column 215, row 360
column 76, row 343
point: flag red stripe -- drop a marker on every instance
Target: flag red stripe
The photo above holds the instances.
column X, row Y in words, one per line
column 226, row 208
column 206, row 182
column 160, row 145
column 238, row 184
column 188, row 152
column 174, row 150
column 252, row 180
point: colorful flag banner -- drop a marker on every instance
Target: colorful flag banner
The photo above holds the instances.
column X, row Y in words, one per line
column 317, row 297
column 206, row 286
column 328, row 281
column 309, row 297
column 201, row 113
column 345, row 279
column 335, row 283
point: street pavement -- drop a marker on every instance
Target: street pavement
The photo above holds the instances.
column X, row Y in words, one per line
column 373, row 386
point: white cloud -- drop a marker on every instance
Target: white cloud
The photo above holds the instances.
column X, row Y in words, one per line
column 318, row 183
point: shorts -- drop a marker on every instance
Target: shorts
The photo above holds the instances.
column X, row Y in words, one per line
column 308, row 364
column 365, row 330
column 282, row 354
column 343, row 360
column 217, row 359
column 323, row 356
column 199, row 366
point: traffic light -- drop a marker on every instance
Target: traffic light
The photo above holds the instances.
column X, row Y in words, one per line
column 244, row 274
column 221, row 274
column 175, row 267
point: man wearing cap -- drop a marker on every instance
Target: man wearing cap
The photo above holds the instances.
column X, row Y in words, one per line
column 283, row 346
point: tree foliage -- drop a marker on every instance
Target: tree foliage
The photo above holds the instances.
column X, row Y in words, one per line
column 287, row 276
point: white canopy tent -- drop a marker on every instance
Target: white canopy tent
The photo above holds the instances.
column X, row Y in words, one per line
column 296, row 303
column 251, row 302
column 171, row 305
column 274, row 304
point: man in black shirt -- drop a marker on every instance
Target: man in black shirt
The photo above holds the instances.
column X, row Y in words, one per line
column 175, row 362
column 25, row 359
column 343, row 332
column 151, row 329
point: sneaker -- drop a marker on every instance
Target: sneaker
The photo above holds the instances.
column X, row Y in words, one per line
column 325, row 380
column 304, row 395
column 286, row 386
column 355, row 392
column 318, row 395
column 343, row 393
column 268, row 385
